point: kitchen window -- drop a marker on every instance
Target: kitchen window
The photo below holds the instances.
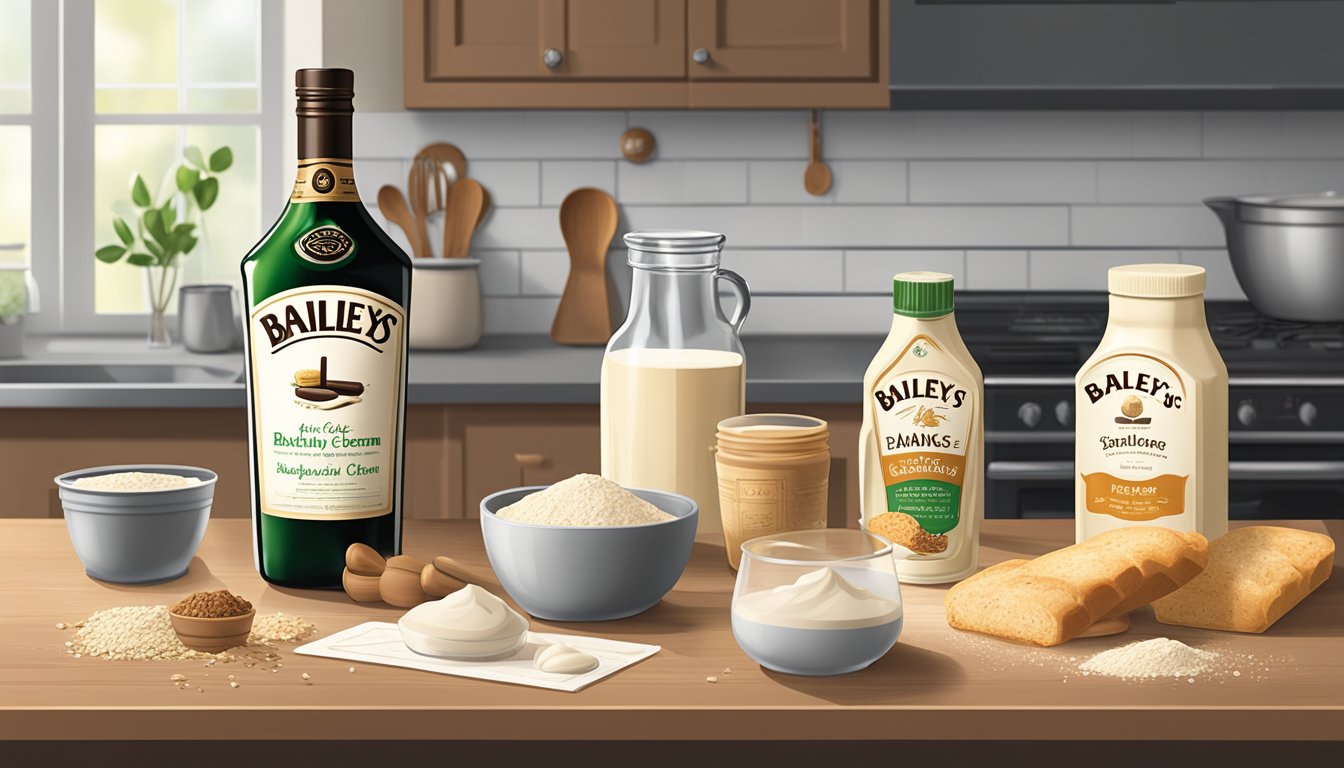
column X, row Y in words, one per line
column 140, row 81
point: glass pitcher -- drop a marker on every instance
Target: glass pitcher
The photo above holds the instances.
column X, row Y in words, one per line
column 674, row 369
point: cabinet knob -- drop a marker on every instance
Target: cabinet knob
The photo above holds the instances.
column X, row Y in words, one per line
column 1246, row 414
column 700, row 56
column 552, row 58
column 1030, row 414
column 529, row 459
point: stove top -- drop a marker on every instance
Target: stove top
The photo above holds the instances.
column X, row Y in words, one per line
column 1053, row 334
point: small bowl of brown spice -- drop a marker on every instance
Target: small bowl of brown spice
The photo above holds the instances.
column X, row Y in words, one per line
column 212, row 621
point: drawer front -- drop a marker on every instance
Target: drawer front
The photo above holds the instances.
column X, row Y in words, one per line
column 500, row 456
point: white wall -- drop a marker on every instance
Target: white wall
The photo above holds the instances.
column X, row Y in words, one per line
column 1003, row 200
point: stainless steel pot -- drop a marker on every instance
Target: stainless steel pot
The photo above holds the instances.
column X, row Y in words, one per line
column 1287, row 252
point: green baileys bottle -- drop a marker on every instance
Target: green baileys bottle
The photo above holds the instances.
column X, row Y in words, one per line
column 326, row 297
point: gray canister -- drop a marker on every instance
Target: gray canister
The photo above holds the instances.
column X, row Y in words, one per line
column 206, row 317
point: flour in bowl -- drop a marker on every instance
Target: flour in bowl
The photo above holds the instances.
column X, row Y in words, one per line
column 583, row 500
column 135, row 481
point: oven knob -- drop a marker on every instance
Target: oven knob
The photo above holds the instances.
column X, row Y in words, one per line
column 1030, row 414
column 1246, row 414
column 1306, row 413
column 1064, row 413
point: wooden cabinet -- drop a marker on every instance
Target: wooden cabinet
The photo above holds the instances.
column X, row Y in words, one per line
column 456, row 455
column 504, row 447
column 645, row 53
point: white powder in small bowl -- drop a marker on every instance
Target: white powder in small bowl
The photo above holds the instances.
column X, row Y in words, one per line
column 584, row 500
column 135, row 481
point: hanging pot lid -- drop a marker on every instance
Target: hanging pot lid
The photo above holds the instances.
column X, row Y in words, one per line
column 1308, row 208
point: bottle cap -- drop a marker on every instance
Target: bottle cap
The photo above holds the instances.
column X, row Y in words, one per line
column 1156, row 281
column 324, row 92
column 922, row 294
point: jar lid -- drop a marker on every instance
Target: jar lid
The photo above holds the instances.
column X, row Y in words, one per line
column 922, row 294
column 674, row 241
column 1156, row 281
column 779, row 425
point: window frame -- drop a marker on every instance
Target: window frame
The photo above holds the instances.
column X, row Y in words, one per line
column 78, row 122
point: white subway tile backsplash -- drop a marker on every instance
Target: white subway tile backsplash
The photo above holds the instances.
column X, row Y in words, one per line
column 1222, row 282
column 871, row 271
column 1243, row 134
column 510, row 182
column 501, row 272
column 1003, row 182
column 836, row 226
column 488, row 134
column 781, row 271
column 1075, row 270
column 1119, row 226
column 560, row 177
column 519, row 314
column 1002, row 200
column 712, row 134
column 819, row 315
column 996, row 271
column 1184, row 182
column 517, row 228
column 544, row 272
column 693, row 182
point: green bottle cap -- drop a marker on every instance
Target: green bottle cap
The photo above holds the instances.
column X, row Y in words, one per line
column 922, row 294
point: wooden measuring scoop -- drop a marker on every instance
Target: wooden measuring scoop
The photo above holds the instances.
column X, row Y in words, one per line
column 588, row 222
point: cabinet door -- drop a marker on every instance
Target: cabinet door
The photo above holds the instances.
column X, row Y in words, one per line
column 623, row 39
column 783, row 39
column 521, row 445
column 474, row 40
column 485, row 39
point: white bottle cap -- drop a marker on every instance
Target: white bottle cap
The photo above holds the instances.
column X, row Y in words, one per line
column 1156, row 281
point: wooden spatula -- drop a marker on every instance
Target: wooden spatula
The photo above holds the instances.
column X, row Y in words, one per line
column 393, row 205
column 588, row 222
column 466, row 198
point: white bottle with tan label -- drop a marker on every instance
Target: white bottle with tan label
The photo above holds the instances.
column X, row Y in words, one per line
column 921, row 448
column 1151, row 441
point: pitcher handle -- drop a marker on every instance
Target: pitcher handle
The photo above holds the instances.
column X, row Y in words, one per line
column 743, row 294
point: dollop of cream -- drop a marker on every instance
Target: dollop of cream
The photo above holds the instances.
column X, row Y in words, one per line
column 562, row 659
column 820, row 599
column 470, row 623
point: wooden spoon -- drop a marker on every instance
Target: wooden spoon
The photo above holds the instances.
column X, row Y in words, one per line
column 588, row 221
column 466, row 199
column 817, row 177
column 393, row 206
column 444, row 153
column 417, row 186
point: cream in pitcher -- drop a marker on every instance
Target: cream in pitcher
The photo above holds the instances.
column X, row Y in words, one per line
column 1151, row 441
column 921, row 447
column 674, row 369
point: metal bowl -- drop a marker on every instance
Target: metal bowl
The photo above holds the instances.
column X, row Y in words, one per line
column 1287, row 252
column 137, row 537
column 592, row 573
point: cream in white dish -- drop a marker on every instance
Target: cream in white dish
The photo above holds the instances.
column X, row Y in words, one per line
column 562, row 659
column 470, row 624
column 830, row 621
column 134, row 482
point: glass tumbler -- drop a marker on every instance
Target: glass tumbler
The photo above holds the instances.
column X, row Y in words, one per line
column 819, row 602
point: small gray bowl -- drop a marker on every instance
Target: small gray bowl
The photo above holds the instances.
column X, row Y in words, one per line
column 137, row 537
column 589, row 573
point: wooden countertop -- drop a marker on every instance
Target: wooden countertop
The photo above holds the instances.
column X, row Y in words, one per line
column 935, row 684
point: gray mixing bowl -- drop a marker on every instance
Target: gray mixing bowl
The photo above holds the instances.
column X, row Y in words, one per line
column 136, row 537
column 597, row 573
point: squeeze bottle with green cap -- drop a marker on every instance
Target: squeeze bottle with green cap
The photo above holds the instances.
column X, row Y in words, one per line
column 921, row 449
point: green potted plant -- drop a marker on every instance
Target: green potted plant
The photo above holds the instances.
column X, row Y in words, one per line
column 165, row 228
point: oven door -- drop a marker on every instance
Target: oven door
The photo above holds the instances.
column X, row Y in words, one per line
column 1283, row 482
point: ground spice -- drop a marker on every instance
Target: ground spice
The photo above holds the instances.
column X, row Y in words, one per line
column 219, row 604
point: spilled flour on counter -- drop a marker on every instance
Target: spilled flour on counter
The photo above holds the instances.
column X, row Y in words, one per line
column 1159, row 657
